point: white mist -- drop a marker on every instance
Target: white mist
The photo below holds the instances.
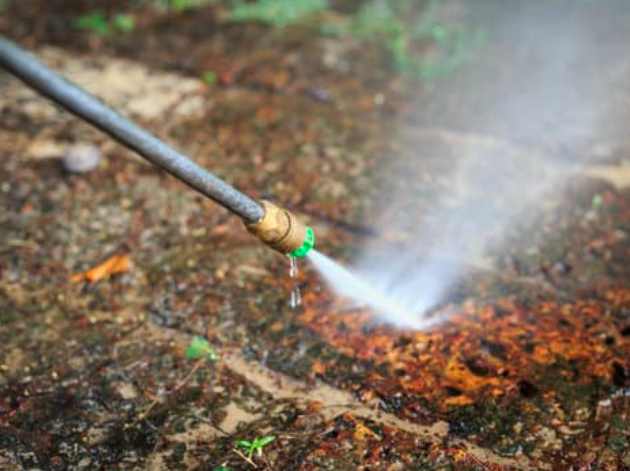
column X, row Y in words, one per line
column 525, row 116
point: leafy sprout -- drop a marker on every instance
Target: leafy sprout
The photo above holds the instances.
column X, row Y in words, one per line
column 255, row 446
column 210, row 77
column 94, row 22
column 200, row 348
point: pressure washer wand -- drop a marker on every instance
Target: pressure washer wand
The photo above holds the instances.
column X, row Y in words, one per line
column 275, row 226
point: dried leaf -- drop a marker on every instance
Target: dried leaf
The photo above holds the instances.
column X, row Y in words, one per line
column 116, row 264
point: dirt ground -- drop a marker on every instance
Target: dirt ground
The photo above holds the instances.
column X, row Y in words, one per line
column 531, row 371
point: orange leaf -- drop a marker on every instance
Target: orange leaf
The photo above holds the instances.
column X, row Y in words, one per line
column 362, row 432
column 319, row 368
column 113, row 265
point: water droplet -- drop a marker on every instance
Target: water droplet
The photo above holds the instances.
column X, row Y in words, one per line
column 296, row 297
column 293, row 267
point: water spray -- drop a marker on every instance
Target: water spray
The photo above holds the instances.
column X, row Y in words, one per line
column 276, row 227
column 366, row 294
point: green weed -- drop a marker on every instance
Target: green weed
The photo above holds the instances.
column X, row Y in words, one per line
column 200, row 348
column 210, row 77
column 256, row 446
column 95, row 22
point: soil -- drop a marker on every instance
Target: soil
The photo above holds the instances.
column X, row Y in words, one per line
column 530, row 371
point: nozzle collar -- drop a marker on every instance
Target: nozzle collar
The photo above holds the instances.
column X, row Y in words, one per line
column 282, row 231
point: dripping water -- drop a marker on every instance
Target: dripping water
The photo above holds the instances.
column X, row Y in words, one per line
column 296, row 295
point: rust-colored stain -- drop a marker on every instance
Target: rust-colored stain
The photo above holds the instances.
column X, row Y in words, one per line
column 484, row 352
column 373, row 444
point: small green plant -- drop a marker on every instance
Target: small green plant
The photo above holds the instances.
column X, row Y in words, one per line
column 221, row 468
column 200, row 348
column 278, row 13
column 97, row 23
column 255, row 446
column 210, row 77
column 123, row 22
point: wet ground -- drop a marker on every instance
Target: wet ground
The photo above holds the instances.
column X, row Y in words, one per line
column 530, row 372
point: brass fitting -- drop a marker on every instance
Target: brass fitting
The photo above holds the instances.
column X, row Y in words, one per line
column 282, row 231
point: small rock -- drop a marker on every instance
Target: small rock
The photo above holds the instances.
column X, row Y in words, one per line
column 605, row 403
column 321, row 94
column 82, row 158
column 564, row 430
column 126, row 390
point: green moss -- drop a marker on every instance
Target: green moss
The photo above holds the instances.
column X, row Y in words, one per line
column 618, row 440
column 619, row 443
column 562, row 377
column 494, row 423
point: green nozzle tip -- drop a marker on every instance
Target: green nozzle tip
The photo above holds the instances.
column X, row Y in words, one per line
column 309, row 243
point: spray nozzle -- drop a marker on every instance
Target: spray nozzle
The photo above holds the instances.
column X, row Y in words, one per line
column 283, row 231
